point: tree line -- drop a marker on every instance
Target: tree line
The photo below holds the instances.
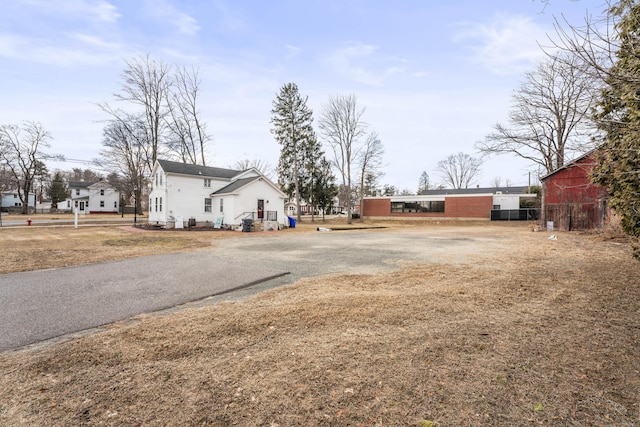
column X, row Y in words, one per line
column 582, row 96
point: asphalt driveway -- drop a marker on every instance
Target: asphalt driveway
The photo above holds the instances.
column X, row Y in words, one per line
column 39, row 305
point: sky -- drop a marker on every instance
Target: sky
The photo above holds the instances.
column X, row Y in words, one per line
column 432, row 76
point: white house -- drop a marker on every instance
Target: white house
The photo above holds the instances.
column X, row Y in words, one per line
column 208, row 195
column 10, row 201
column 87, row 197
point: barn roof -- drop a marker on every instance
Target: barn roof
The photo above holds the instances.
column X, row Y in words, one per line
column 569, row 164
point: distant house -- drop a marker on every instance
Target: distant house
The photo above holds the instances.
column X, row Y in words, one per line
column 472, row 203
column 11, row 201
column 183, row 193
column 91, row 198
column 570, row 201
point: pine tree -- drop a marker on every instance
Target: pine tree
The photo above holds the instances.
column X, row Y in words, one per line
column 292, row 128
column 618, row 166
column 325, row 188
column 57, row 190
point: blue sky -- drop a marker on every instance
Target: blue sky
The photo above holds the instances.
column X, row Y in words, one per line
column 434, row 76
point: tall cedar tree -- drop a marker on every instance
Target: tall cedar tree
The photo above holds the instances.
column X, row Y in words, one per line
column 57, row 190
column 618, row 163
column 292, row 128
column 325, row 188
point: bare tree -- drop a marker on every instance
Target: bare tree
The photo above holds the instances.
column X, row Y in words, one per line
column 459, row 170
column 370, row 162
column 21, row 152
column 188, row 133
column 342, row 127
column 124, row 152
column 550, row 115
column 260, row 165
column 146, row 85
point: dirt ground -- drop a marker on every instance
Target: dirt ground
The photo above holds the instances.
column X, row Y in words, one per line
column 540, row 332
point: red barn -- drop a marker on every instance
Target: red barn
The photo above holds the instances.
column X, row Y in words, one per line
column 570, row 200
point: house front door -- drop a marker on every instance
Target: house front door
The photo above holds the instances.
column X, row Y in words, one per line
column 260, row 209
column 81, row 206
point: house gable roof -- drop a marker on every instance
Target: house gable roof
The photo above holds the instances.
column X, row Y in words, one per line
column 102, row 184
column 79, row 184
column 196, row 170
column 235, row 185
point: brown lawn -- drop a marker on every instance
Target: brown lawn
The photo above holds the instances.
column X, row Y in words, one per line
column 541, row 332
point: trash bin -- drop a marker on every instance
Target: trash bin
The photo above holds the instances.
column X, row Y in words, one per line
column 292, row 222
column 192, row 222
column 246, row 225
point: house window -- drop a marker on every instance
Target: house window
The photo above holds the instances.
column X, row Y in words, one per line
column 207, row 204
column 102, row 203
column 77, row 191
column 156, row 180
column 496, row 207
column 160, row 179
column 160, row 209
column 207, row 182
column 156, row 204
column 221, row 205
column 102, row 192
column 115, row 205
column 15, row 196
column 68, row 203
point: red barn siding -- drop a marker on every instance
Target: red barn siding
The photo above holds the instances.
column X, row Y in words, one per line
column 571, row 200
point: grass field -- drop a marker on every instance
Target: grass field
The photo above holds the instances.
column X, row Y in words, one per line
column 540, row 332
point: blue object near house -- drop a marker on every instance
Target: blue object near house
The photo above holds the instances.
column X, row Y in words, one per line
column 292, row 222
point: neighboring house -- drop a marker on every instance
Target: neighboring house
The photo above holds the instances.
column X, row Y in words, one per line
column 570, row 201
column 91, row 198
column 305, row 208
column 11, row 202
column 208, row 195
column 476, row 203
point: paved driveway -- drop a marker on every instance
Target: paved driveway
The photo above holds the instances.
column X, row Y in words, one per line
column 39, row 305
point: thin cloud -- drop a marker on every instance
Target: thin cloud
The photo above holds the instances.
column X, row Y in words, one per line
column 77, row 49
column 93, row 10
column 171, row 15
column 507, row 45
column 349, row 59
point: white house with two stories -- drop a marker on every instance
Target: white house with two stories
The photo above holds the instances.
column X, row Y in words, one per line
column 208, row 195
column 91, row 198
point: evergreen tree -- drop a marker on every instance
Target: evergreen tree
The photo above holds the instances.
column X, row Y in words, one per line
column 423, row 183
column 57, row 190
column 618, row 164
column 292, row 128
column 325, row 188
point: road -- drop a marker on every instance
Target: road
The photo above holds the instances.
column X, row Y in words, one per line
column 39, row 305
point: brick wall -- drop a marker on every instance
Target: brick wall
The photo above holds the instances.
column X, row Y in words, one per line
column 454, row 207
column 377, row 207
column 468, row 207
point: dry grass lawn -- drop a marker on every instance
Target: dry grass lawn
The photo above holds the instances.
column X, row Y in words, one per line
column 542, row 333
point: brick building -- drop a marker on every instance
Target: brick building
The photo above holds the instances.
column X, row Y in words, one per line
column 470, row 203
